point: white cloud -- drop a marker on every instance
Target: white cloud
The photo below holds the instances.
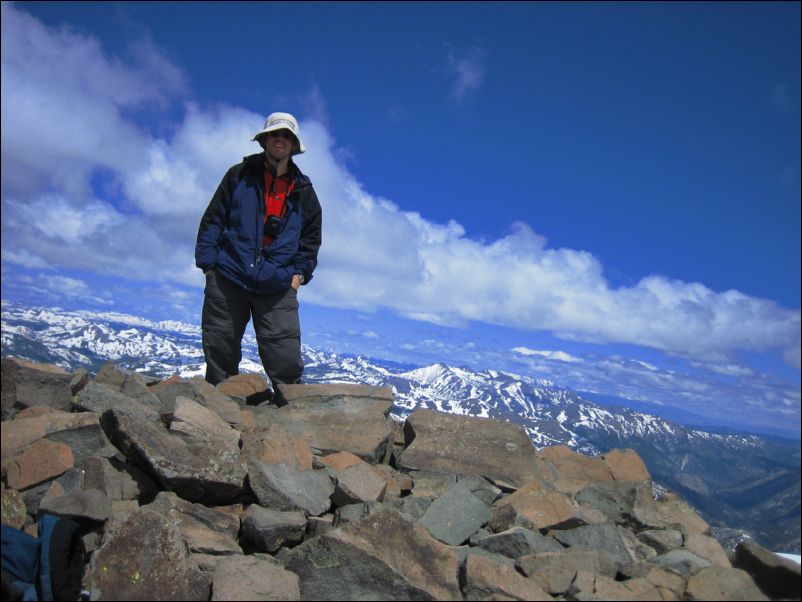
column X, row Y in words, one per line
column 180, row 175
column 374, row 255
column 466, row 71
column 71, row 287
column 727, row 369
column 560, row 356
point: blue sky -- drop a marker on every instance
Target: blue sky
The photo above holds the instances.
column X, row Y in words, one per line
column 605, row 195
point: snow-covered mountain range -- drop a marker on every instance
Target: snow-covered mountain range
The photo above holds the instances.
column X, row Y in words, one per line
column 740, row 481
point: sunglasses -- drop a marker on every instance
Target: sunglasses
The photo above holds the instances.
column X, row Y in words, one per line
column 286, row 134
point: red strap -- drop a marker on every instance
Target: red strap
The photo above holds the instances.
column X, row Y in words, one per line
column 275, row 195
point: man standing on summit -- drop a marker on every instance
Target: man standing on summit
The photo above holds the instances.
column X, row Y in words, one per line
column 257, row 244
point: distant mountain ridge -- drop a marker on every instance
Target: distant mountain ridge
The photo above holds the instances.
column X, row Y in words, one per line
column 736, row 481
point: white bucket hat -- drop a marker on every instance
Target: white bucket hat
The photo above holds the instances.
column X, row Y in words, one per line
column 282, row 121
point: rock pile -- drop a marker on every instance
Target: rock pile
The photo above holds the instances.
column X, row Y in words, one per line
column 194, row 492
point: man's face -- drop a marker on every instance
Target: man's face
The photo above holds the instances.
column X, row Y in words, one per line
column 279, row 144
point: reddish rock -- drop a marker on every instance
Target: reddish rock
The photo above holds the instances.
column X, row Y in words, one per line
column 723, row 583
column 707, row 548
column 251, row 578
column 675, row 511
column 250, row 387
column 398, row 483
column 626, row 465
column 36, row 411
column 18, row 434
column 42, row 461
column 340, row 461
column 535, row 507
column 276, row 445
column 485, row 577
column 569, row 471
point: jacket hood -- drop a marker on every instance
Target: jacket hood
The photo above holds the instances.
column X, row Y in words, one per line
column 257, row 163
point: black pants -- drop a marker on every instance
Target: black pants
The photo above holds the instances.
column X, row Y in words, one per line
column 226, row 311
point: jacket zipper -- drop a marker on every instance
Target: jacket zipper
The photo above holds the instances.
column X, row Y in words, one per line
column 260, row 220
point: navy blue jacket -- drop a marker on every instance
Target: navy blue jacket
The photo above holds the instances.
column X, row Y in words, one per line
column 231, row 231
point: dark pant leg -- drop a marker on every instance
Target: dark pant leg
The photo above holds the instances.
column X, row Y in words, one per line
column 278, row 334
column 225, row 315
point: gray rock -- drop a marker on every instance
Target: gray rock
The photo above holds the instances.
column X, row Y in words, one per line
column 199, row 390
column 130, row 384
column 267, row 530
column 463, row 552
column 196, row 424
column 627, row 503
column 350, row 513
column 431, row 484
column 456, row 515
column 119, row 481
column 70, row 482
column 282, row 487
column 777, row 577
column 96, row 397
column 684, row 562
column 101, row 475
column 358, row 484
column 294, row 394
column 91, row 504
column 79, row 380
column 198, row 473
column 481, row 488
column 604, row 536
column 517, row 542
column 85, row 442
column 479, row 536
column 555, row 571
column 144, row 557
column 415, row 507
column 134, row 483
column 26, row 384
column 662, row 540
column 499, row 451
column 385, row 556
column 335, row 422
column 169, row 504
column 252, row 578
column 318, row 525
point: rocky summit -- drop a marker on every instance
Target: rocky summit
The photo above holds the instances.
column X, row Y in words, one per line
column 193, row 492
